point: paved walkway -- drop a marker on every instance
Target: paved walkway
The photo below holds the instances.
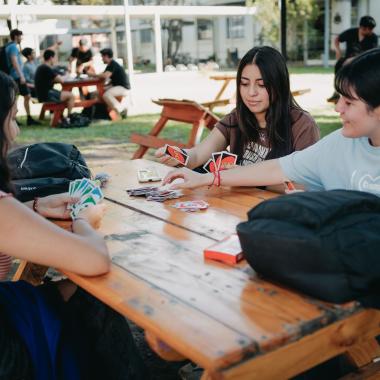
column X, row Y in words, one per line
column 197, row 86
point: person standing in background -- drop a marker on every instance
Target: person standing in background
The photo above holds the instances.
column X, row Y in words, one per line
column 357, row 41
column 83, row 57
column 15, row 65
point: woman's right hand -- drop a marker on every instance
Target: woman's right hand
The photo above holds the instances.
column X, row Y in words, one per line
column 165, row 158
column 93, row 214
column 191, row 179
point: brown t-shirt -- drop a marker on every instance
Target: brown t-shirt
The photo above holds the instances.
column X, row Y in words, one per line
column 305, row 133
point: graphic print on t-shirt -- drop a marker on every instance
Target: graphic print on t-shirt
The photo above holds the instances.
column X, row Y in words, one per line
column 254, row 153
column 365, row 182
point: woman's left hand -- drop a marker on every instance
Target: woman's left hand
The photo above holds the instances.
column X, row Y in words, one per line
column 55, row 206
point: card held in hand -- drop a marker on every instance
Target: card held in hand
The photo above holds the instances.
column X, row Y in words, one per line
column 88, row 192
column 178, row 154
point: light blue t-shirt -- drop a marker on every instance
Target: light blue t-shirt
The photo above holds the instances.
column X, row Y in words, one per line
column 30, row 69
column 336, row 162
column 10, row 50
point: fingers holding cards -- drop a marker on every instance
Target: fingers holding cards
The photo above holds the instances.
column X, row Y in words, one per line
column 178, row 154
column 88, row 193
column 220, row 161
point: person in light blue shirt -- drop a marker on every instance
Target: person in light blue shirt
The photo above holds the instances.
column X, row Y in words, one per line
column 348, row 158
column 15, row 65
column 30, row 68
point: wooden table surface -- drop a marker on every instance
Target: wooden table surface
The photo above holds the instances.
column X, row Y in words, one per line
column 226, row 319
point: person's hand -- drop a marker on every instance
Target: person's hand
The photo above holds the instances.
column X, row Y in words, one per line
column 93, row 214
column 165, row 158
column 22, row 80
column 190, row 178
column 55, row 206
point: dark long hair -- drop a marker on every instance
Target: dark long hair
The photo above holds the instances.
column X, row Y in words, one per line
column 362, row 76
column 275, row 75
column 8, row 93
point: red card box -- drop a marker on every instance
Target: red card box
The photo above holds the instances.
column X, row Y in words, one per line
column 228, row 250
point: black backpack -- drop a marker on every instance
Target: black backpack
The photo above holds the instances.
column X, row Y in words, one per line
column 326, row 244
column 3, row 60
column 43, row 169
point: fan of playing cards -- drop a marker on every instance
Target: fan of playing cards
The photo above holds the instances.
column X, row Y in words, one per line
column 155, row 193
column 220, row 161
column 87, row 191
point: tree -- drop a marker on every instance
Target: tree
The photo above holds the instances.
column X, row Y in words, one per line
column 173, row 27
column 299, row 12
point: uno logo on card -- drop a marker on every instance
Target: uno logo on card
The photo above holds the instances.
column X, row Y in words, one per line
column 175, row 154
column 227, row 162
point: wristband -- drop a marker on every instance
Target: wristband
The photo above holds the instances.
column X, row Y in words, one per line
column 35, row 205
column 216, row 180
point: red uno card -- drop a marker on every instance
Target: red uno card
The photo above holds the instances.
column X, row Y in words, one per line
column 216, row 156
column 178, row 154
column 228, row 250
column 209, row 166
column 227, row 160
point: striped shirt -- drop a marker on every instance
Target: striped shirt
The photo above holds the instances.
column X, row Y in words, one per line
column 5, row 260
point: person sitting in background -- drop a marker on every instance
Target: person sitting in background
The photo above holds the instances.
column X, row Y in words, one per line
column 83, row 57
column 31, row 64
column 15, row 65
column 118, row 87
column 44, row 81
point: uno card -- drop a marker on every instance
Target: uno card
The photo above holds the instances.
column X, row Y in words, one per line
column 227, row 160
column 228, row 250
column 210, row 166
column 216, row 156
column 178, row 154
column 191, row 205
column 148, row 175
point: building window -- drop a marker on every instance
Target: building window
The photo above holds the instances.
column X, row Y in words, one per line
column 235, row 27
column 204, row 28
column 146, row 36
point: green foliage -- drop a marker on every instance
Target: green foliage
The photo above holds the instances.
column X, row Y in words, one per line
column 268, row 14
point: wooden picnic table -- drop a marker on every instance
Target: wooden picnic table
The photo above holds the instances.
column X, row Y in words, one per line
column 68, row 85
column 227, row 319
column 185, row 111
column 226, row 79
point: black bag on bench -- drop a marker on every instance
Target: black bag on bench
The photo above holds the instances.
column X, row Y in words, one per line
column 43, row 169
column 325, row 244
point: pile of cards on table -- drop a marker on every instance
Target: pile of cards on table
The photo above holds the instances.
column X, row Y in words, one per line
column 178, row 154
column 191, row 206
column 155, row 193
column 220, row 161
column 87, row 191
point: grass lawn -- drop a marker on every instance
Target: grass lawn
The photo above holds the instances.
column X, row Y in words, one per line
column 310, row 70
column 105, row 132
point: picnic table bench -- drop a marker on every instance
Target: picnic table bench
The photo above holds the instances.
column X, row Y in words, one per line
column 186, row 111
column 229, row 320
column 68, row 85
